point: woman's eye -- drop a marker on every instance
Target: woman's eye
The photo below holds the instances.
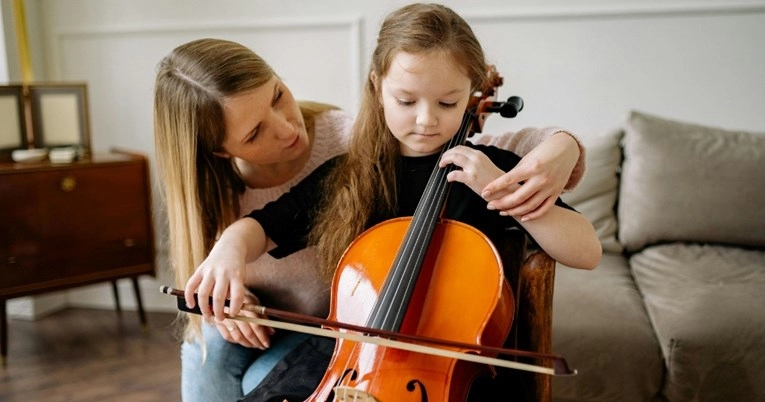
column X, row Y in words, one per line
column 448, row 105
column 404, row 103
column 278, row 96
column 253, row 135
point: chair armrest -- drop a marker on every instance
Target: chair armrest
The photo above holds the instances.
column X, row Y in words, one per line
column 531, row 274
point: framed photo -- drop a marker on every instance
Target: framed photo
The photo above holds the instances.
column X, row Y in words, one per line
column 13, row 128
column 60, row 115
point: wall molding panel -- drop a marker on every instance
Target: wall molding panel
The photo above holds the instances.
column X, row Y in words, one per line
column 617, row 11
column 63, row 37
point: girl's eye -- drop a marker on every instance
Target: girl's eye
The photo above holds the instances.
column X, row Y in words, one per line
column 448, row 105
column 404, row 103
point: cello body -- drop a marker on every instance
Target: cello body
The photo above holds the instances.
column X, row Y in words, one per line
column 461, row 295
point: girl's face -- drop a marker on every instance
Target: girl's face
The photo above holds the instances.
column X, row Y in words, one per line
column 264, row 126
column 424, row 98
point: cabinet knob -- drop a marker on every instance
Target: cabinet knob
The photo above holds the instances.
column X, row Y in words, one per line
column 68, row 183
column 129, row 242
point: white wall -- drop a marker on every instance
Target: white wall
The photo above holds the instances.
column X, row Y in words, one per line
column 578, row 64
column 3, row 53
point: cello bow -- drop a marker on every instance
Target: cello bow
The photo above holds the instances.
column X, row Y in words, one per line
column 309, row 324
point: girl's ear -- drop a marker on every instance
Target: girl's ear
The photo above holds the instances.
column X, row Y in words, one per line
column 223, row 155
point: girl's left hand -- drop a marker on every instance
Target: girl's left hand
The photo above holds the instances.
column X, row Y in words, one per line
column 476, row 169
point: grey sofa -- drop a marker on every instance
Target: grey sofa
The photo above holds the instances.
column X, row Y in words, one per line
column 676, row 309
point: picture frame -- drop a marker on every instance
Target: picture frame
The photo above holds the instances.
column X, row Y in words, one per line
column 13, row 130
column 60, row 115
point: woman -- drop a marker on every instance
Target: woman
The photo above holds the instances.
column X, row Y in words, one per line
column 229, row 138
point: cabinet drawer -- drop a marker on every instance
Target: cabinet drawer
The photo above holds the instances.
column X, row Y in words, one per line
column 74, row 221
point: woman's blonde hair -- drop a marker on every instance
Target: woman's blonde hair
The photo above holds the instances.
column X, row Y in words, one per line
column 201, row 191
column 363, row 185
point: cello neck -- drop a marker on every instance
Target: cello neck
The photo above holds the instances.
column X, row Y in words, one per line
column 393, row 301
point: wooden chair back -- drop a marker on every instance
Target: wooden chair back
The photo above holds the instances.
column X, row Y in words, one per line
column 531, row 274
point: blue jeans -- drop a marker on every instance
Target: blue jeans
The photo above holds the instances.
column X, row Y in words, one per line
column 230, row 370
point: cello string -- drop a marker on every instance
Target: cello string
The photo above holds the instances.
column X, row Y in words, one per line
column 419, row 234
column 405, row 273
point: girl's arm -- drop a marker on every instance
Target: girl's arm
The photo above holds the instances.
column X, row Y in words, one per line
column 567, row 236
column 222, row 274
column 553, row 160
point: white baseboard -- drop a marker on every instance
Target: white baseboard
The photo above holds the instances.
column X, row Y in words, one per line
column 101, row 296
column 33, row 307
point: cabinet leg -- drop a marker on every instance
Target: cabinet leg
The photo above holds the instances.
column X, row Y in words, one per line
column 116, row 293
column 139, row 302
column 3, row 334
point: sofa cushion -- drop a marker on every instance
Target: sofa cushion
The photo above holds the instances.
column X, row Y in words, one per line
column 595, row 196
column 601, row 327
column 687, row 182
column 706, row 305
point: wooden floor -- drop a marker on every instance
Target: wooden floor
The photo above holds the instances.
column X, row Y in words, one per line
column 92, row 355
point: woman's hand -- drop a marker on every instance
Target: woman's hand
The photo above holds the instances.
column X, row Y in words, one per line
column 476, row 169
column 531, row 188
column 247, row 334
column 221, row 275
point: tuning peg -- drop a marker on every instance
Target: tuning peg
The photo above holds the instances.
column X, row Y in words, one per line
column 508, row 109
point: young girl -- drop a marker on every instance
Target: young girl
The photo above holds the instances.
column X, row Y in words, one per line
column 426, row 66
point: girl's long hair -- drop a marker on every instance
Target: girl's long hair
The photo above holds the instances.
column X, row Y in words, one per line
column 363, row 185
column 200, row 190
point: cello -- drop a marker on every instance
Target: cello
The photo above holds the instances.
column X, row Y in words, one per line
column 412, row 275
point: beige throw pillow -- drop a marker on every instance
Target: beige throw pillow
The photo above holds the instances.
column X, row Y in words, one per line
column 685, row 182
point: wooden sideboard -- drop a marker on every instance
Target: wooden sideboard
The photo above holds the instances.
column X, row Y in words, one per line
column 72, row 224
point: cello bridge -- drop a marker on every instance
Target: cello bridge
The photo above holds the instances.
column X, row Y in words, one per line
column 348, row 394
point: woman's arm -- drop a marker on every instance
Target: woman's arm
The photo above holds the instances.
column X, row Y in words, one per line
column 553, row 160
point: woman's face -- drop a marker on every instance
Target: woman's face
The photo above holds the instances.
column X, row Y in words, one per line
column 264, row 126
column 424, row 98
